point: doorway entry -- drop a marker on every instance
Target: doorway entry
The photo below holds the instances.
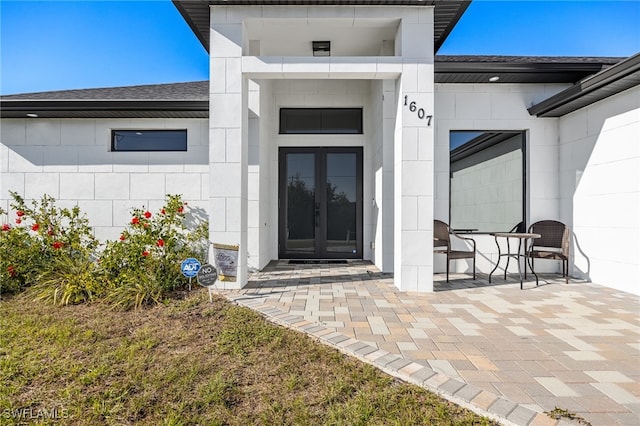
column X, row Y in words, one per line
column 320, row 203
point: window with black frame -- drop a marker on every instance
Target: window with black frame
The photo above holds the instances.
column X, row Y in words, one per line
column 487, row 180
column 149, row 140
column 297, row 121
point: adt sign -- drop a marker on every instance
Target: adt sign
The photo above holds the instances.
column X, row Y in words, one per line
column 190, row 267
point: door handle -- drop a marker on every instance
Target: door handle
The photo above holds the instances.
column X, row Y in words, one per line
column 317, row 214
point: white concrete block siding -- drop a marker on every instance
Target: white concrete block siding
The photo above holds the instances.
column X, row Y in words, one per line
column 600, row 189
column 70, row 160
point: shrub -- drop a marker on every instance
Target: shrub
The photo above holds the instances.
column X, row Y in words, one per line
column 143, row 266
column 43, row 246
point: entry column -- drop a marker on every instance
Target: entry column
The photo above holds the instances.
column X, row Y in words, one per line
column 413, row 160
column 228, row 136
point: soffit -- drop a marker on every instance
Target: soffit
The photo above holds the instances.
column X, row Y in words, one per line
column 518, row 69
column 446, row 12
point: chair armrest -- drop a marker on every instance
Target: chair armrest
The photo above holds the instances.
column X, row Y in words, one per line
column 473, row 242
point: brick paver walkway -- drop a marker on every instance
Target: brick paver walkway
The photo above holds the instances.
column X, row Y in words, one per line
column 507, row 353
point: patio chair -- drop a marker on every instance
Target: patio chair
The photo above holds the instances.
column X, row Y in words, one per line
column 519, row 227
column 442, row 245
column 552, row 245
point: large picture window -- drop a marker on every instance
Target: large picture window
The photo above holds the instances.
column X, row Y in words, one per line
column 149, row 140
column 320, row 121
column 487, row 180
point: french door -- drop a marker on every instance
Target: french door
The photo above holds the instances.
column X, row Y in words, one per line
column 320, row 203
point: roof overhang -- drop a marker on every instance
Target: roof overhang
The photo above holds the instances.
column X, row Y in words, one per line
column 446, row 12
column 517, row 69
column 16, row 108
column 613, row 80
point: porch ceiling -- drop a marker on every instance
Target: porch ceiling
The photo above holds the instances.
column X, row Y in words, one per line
column 446, row 13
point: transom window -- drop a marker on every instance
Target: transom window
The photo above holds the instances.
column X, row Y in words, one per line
column 149, row 140
column 487, row 180
column 320, row 121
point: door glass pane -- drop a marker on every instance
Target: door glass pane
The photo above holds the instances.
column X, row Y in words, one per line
column 341, row 203
column 300, row 226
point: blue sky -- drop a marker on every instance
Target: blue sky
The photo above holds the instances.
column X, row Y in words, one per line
column 57, row 45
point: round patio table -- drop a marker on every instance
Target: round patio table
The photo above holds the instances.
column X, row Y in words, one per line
column 522, row 237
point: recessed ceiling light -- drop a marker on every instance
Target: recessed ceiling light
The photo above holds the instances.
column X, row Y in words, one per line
column 32, row 115
column 494, row 78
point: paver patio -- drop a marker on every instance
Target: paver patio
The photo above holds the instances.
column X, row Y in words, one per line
column 507, row 353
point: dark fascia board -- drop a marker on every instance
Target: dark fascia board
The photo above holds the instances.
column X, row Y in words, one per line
column 627, row 70
column 98, row 108
column 196, row 12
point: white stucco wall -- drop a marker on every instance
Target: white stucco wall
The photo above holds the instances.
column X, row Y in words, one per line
column 70, row 160
column 499, row 107
column 600, row 189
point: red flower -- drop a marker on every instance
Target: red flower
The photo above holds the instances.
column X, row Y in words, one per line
column 122, row 237
column 180, row 209
column 145, row 253
column 57, row 245
column 160, row 242
column 18, row 221
column 135, row 220
column 35, row 227
column 20, row 213
column 50, row 232
column 6, row 227
column 163, row 211
column 12, row 271
column 147, row 214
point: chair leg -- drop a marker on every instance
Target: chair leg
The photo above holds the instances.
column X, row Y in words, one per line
column 447, row 269
column 474, row 267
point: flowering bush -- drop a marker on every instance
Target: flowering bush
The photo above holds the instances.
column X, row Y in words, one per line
column 51, row 252
column 143, row 265
column 44, row 245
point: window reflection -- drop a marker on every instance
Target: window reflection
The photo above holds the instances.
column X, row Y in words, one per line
column 486, row 180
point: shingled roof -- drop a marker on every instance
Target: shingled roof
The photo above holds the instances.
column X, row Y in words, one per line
column 191, row 100
column 174, row 100
column 192, row 91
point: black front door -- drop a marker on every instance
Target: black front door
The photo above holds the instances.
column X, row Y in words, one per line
column 320, row 203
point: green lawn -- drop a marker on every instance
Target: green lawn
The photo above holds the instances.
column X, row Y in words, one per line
column 191, row 362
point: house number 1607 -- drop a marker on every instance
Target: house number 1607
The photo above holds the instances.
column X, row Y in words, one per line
column 420, row 111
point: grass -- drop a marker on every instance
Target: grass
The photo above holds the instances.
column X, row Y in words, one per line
column 191, row 362
column 561, row 413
